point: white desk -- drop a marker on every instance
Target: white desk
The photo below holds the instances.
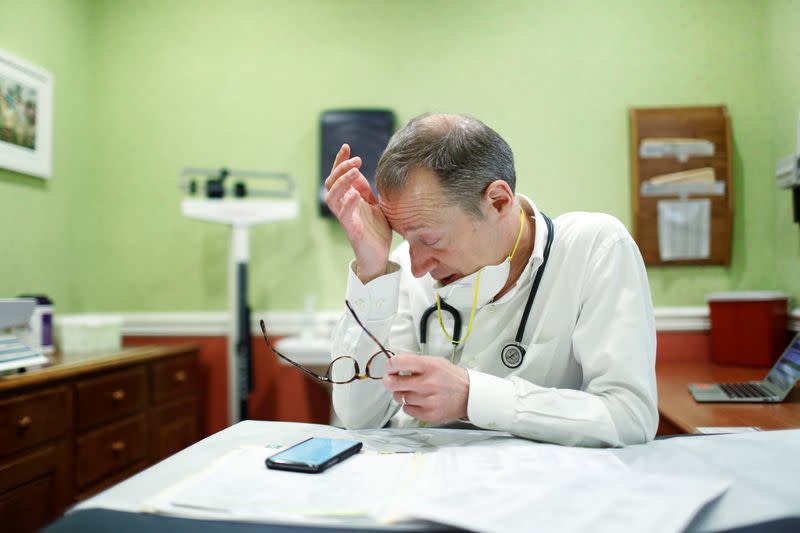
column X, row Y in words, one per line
column 763, row 466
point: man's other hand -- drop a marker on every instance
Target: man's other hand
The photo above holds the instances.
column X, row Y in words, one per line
column 431, row 389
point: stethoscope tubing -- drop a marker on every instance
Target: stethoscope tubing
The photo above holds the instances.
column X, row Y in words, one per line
column 447, row 308
column 536, row 281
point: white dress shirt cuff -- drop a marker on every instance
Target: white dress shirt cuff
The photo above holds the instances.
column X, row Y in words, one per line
column 491, row 401
column 378, row 299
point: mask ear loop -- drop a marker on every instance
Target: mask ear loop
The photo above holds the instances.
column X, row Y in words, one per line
column 475, row 296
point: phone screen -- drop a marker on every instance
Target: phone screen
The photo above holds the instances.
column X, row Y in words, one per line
column 314, row 454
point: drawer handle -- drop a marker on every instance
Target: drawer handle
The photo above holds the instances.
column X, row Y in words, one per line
column 118, row 446
column 24, row 422
column 118, row 395
column 179, row 376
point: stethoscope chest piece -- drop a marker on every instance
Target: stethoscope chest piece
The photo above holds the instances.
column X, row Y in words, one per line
column 512, row 355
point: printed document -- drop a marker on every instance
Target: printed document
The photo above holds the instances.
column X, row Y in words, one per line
column 496, row 486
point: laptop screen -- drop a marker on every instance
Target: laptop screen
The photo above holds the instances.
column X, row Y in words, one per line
column 787, row 370
column 15, row 312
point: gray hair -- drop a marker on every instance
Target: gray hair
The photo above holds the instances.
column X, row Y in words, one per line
column 466, row 155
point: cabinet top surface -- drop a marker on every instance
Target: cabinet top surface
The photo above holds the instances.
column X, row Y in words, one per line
column 64, row 367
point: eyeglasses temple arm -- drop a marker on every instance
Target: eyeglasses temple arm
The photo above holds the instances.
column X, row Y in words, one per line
column 371, row 336
column 279, row 354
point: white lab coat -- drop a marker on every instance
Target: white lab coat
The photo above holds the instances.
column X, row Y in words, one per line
column 588, row 377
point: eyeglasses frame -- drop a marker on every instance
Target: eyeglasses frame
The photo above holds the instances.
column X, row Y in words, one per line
column 326, row 378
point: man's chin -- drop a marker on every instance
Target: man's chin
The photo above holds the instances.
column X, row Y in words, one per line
column 447, row 280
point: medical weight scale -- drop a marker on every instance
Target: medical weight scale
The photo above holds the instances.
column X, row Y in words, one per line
column 239, row 207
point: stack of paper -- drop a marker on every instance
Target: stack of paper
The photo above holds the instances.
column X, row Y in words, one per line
column 682, row 184
column 697, row 175
column 499, row 487
column 680, row 148
column 684, row 229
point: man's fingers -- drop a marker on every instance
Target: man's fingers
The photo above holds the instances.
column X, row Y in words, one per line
column 414, row 411
column 407, row 362
column 352, row 180
column 340, row 187
column 362, row 186
column 348, row 203
column 417, row 382
column 411, row 398
column 341, row 155
column 359, row 182
column 341, row 169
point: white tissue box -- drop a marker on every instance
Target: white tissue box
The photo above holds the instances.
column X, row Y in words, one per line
column 86, row 334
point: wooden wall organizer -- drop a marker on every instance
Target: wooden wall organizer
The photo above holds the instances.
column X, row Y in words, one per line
column 709, row 123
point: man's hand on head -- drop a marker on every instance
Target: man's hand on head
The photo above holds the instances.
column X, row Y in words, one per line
column 431, row 389
column 350, row 198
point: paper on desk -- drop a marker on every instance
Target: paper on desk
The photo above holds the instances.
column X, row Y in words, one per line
column 715, row 430
column 407, row 440
column 640, row 502
column 240, row 486
column 581, row 490
column 492, row 473
column 501, row 486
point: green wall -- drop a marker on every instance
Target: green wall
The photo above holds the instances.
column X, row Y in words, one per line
column 157, row 86
column 783, row 53
column 36, row 216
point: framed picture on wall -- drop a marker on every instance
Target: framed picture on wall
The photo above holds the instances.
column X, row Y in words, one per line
column 26, row 117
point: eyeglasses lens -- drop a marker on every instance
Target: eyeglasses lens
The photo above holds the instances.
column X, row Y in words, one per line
column 343, row 370
column 377, row 365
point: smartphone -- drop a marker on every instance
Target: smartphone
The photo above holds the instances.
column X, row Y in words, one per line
column 314, row 455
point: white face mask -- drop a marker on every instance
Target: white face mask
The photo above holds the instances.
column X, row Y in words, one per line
column 480, row 288
column 489, row 280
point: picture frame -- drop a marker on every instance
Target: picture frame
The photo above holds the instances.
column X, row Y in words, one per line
column 26, row 117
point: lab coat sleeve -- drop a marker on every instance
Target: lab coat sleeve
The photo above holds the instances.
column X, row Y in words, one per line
column 383, row 308
column 614, row 342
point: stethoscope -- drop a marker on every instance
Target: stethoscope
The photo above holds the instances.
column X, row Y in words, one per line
column 512, row 353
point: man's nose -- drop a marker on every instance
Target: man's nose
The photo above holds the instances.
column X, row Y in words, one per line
column 422, row 260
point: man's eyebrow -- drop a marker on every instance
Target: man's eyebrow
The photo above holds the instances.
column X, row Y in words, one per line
column 418, row 227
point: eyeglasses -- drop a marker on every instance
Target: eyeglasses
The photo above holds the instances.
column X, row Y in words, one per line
column 344, row 369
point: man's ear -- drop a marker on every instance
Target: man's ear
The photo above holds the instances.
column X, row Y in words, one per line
column 498, row 198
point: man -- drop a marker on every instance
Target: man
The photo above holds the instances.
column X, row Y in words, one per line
column 583, row 371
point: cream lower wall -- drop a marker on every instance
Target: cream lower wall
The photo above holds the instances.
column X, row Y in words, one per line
column 294, row 323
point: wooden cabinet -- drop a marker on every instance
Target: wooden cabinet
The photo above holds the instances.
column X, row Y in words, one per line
column 173, row 427
column 29, row 419
column 72, row 429
column 110, row 396
column 35, row 486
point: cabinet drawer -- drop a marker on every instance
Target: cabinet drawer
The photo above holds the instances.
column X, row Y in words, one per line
column 174, row 378
column 111, row 396
column 109, row 449
column 173, row 427
column 32, row 488
column 34, row 418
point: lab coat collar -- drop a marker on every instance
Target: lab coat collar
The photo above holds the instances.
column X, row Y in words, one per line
column 540, row 235
column 537, row 254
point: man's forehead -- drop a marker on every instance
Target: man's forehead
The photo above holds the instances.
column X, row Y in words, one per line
column 418, row 205
column 406, row 214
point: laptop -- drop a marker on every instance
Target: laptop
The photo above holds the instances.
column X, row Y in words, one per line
column 15, row 311
column 774, row 388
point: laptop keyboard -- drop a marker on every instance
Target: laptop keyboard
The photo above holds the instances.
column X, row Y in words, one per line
column 744, row 390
